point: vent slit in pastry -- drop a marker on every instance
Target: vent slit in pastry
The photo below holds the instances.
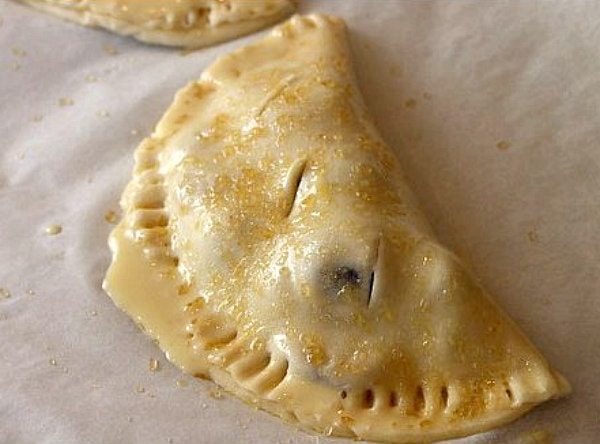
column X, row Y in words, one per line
column 371, row 286
column 301, row 315
column 293, row 184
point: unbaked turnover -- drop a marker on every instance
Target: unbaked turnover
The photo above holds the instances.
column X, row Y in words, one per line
column 270, row 243
column 184, row 23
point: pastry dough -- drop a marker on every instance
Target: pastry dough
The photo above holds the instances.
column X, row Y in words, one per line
column 270, row 243
column 185, row 23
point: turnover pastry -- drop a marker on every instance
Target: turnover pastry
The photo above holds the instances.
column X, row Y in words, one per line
column 270, row 243
column 185, row 23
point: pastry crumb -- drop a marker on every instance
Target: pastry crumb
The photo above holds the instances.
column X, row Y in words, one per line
column 503, row 145
column 216, row 393
column 395, row 71
column 186, row 52
column 18, row 52
column 65, row 101
column 154, row 365
column 4, row 293
column 111, row 217
column 536, row 437
column 410, row 104
column 243, row 423
column 110, row 49
column 53, row 230
column 532, row 235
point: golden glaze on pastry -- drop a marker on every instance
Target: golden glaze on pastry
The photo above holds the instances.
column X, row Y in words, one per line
column 186, row 23
column 270, row 243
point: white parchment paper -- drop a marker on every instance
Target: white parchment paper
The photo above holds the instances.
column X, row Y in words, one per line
column 492, row 106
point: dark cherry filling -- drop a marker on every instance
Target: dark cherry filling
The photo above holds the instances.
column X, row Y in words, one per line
column 344, row 276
